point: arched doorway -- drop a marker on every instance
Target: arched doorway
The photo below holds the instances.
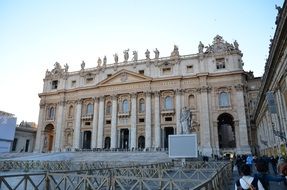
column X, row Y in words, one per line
column 107, row 143
column 167, row 131
column 87, row 140
column 226, row 131
column 48, row 138
column 141, row 142
column 124, row 138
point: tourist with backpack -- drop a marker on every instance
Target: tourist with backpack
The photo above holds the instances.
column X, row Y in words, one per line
column 264, row 177
column 247, row 182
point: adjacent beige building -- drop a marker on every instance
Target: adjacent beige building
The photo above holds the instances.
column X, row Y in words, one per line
column 271, row 109
column 25, row 137
column 135, row 104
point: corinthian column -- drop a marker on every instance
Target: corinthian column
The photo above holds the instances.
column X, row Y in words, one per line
column 178, row 111
column 243, row 138
column 39, row 143
column 205, row 122
column 157, row 120
column 114, row 122
column 59, row 123
column 133, row 121
column 148, row 120
column 101, row 123
column 95, row 122
column 76, row 142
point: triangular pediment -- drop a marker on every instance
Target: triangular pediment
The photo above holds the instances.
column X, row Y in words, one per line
column 124, row 77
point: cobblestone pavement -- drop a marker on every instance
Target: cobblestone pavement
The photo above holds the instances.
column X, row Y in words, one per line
column 273, row 185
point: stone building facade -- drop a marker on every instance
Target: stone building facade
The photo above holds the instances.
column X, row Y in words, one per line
column 136, row 104
column 25, row 137
column 270, row 115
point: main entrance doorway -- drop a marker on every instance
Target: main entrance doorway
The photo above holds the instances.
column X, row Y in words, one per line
column 167, row 131
column 124, row 138
column 226, row 131
column 87, row 140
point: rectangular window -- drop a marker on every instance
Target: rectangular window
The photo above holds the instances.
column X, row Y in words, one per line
column 14, row 144
column 189, row 68
column 89, row 80
column 168, row 118
column 108, row 122
column 27, row 145
column 220, row 63
column 141, row 120
column 141, row 72
column 166, row 71
column 73, row 84
column 88, row 123
column 54, row 84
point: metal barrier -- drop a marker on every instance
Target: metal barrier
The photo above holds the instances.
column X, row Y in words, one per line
column 194, row 175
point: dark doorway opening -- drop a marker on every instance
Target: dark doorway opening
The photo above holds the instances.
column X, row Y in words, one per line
column 226, row 131
column 167, row 131
column 107, row 143
column 87, row 140
column 141, row 142
column 124, row 139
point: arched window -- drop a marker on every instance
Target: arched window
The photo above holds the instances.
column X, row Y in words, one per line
column 71, row 111
column 109, row 108
column 168, row 103
column 51, row 113
column 125, row 106
column 141, row 105
column 224, row 99
column 90, row 109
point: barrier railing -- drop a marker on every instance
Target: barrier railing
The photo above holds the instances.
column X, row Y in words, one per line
column 194, row 175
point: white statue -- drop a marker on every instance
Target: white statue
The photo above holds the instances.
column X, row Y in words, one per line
column 236, row 45
column 175, row 51
column 105, row 61
column 126, row 55
column 66, row 67
column 156, row 53
column 147, row 54
column 200, row 47
column 99, row 62
column 135, row 54
column 116, row 57
column 185, row 120
column 83, row 65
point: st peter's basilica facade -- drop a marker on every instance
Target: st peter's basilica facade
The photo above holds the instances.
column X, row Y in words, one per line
column 136, row 104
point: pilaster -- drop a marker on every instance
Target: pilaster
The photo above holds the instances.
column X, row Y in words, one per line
column 76, row 142
column 157, row 120
column 148, row 120
column 133, row 120
column 39, row 143
column 95, row 122
column 59, row 124
column 101, row 123
column 114, row 122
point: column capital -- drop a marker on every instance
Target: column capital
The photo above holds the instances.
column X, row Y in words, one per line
column 114, row 96
column 95, row 99
column 156, row 93
column 147, row 93
column 61, row 102
column 238, row 87
column 204, row 89
column 42, row 104
column 178, row 91
column 79, row 101
column 101, row 98
column 133, row 94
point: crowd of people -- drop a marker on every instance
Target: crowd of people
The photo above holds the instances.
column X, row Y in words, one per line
column 248, row 164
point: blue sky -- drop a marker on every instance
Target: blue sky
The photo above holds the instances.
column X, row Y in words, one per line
column 36, row 34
